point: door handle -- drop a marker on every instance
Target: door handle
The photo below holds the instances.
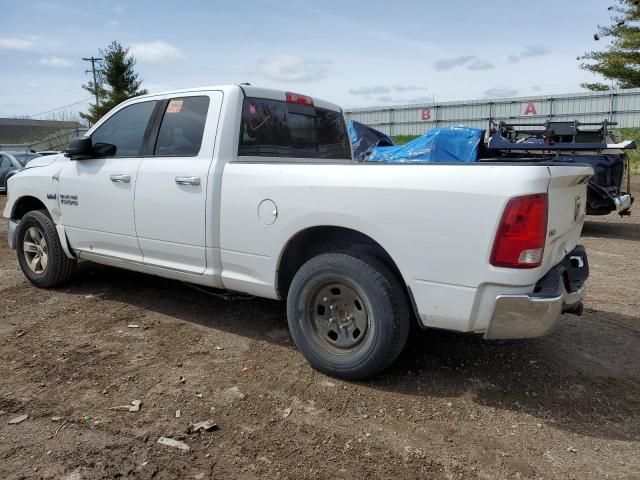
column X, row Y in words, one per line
column 121, row 178
column 188, row 180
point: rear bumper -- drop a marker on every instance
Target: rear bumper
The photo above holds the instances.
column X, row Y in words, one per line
column 623, row 203
column 535, row 315
column 13, row 226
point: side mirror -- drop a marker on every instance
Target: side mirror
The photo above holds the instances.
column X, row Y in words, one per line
column 104, row 150
column 80, row 148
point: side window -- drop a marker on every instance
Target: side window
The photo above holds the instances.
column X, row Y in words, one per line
column 182, row 127
column 273, row 128
column 5, row 162
column 125, row 131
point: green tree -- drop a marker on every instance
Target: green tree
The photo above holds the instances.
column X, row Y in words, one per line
column 117, row 81
column 620, row 61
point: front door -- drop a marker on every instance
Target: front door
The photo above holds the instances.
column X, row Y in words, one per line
column 96, row 194
column 171, row 189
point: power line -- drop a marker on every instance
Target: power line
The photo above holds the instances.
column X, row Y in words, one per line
column 59, row 108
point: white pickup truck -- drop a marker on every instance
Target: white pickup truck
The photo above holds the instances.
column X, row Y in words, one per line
column 254, row 190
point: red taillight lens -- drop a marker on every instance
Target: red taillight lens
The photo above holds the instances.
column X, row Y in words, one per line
column 521, row 235
column 297, row 98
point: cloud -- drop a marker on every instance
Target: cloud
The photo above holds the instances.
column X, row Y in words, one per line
column 377, row 90
column 114, row 23
column 155, row 52
column 408, row 88
column 471, row 62
column 289, row 68
column 449, row 63
column 536, row 88
column 383, row 89
column 500, row 91
column 158, row 87
column 386, row 99
column 16, row 43
column 480, row 64
column 534, row 51
column 54, row 61
column 528, row 52
column 421, row 100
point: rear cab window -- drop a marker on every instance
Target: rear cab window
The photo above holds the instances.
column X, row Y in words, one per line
column 274, row 128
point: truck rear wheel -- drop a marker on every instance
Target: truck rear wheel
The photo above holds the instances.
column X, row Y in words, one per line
column 348, row 316
column 40, row 253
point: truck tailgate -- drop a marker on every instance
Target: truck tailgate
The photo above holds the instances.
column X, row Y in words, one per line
column 567, row 202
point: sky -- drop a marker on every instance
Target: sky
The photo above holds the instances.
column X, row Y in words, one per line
column 356, row 54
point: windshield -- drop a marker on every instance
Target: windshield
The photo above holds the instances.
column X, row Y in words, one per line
column 25, row 158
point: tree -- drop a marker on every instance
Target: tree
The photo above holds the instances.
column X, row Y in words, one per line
column 116, row 81
column 620, row 61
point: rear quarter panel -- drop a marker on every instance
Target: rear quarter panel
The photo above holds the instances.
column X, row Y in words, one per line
column 436, row 221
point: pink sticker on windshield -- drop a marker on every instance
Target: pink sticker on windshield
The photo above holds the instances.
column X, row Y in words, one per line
column 252, row 109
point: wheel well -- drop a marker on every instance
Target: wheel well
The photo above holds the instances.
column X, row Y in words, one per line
column 316, row 240
column 25, row 205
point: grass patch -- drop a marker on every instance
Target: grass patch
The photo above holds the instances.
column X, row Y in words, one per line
column 402, row 139
column 634, row 155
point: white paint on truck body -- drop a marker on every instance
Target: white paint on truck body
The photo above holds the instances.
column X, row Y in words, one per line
column 436, row 221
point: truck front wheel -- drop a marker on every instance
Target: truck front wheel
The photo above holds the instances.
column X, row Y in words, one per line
column 348, row 315
column 40, row 253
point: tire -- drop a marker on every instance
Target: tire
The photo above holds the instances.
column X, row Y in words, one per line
column 348, row 315
column 36, row 237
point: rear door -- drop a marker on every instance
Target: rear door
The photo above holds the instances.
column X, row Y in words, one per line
column 171, row 189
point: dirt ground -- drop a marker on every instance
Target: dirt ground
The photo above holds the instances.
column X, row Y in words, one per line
column 453, row 406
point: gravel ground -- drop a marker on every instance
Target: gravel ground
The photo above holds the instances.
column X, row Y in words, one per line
column 452, row 406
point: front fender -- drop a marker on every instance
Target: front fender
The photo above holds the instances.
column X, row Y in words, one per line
column 36, row 184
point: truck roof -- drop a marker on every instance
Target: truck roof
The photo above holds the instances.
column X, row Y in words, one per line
column 251, row 91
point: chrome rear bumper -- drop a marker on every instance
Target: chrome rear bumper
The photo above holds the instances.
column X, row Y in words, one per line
column 536, row 314
column 623, row 203
column 13, row 226
column 526, row 316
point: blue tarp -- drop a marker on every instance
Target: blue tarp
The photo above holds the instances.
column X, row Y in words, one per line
column 440, row 145
column 364, row 139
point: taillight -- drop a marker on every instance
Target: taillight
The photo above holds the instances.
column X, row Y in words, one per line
column 297, row 98
column 521, row 235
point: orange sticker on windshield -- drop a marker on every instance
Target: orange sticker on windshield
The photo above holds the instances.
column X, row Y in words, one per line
column 174, row 106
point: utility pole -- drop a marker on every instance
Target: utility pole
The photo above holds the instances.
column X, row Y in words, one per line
column 93, row 61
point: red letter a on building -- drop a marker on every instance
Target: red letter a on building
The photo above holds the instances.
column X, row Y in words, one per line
column 530, row 109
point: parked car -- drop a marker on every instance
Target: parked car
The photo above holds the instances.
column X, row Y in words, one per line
column 11, row 163
column 49, row 152
column 255, row 190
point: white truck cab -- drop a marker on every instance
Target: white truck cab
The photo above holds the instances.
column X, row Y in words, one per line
column 255, row 190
